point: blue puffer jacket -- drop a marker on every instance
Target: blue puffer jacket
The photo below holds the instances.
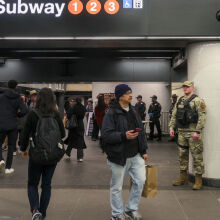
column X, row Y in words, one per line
column 114, row 130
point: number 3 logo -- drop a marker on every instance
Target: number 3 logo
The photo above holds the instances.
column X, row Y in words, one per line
column 93, row 7
column 112, row 7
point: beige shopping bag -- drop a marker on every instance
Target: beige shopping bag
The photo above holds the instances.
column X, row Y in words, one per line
column 150, row 186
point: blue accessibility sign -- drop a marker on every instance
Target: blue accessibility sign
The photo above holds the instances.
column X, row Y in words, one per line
column 127, row 4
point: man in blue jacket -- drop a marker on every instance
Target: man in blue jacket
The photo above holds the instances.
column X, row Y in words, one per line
column 11, row 107
column 125, row 145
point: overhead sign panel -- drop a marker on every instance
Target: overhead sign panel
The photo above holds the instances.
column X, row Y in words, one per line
column 67, row 18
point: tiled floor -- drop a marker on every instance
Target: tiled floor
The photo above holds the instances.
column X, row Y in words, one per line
column 81, row 191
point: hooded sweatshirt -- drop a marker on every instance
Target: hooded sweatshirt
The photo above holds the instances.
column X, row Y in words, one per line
column 10, row 103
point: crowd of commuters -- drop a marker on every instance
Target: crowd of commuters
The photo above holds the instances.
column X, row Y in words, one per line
column 37, row 125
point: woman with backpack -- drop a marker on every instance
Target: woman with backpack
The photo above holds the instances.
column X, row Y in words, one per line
column 76, row 133
column 42, row 125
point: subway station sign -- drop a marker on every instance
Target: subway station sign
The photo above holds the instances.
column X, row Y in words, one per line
column 55, row 18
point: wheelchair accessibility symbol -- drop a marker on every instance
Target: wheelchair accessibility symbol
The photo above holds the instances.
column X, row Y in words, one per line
column 127, row 4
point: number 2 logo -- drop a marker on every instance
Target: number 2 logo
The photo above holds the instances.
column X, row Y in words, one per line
column 93, row 7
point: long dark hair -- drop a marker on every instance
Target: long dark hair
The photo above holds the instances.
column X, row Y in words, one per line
column 101, row 103
column 46, row 102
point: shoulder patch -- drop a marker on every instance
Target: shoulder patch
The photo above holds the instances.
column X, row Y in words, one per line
column 203, row 106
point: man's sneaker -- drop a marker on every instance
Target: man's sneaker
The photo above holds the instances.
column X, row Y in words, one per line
column 4, row 148
column 133, row 216
column 119, row 217
column 15, row 153
column 9, row 171
column 2, row 165
column 80, row 160
column 37, row 215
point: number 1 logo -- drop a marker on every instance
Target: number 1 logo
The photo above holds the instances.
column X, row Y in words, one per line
column 112, row 7
column 75, row 7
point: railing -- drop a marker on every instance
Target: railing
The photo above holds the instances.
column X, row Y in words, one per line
column 165, row 120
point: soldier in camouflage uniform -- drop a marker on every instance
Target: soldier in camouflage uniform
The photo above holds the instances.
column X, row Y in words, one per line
column 189, row 115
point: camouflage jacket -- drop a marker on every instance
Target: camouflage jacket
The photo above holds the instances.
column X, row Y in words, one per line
column 200, row 106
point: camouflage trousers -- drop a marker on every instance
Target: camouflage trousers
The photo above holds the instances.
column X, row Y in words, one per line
column 187, row 143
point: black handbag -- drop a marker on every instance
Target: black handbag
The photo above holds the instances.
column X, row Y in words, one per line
column 72, row 122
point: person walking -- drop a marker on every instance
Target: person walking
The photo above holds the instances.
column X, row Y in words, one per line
column 141, row 108
column 154, row 113
column 76, row 135
column 20, row 126
column 126, row 149
column 45, row 108
column 89, row 108
column 95, row 130
column 11, row 107
column 70, row 103
column 100, row 111
column 33, row 99
column 189, row 115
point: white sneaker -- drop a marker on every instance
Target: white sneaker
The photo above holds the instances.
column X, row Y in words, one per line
column 9, row 171
column 80, row 160
column 14, row 153
column 2, row 165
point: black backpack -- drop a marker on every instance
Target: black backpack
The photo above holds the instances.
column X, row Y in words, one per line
column 46, row 146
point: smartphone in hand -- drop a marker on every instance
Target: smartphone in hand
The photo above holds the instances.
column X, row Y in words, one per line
column 137, row 130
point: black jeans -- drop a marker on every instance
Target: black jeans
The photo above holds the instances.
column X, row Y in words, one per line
column 95, row 131
column 80, row 153
column 35, row 172
column 156, row 122
column 12, row 138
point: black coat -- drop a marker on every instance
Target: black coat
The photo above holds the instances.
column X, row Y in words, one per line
column 76, row 135
column 155, row 108
column 11, row 107
column 114, row 128
column 141, row 109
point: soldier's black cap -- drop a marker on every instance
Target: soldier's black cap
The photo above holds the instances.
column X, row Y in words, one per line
column 139, row 96
column 154, row 96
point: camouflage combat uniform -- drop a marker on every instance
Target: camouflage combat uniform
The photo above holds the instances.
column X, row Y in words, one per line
column 185, row 136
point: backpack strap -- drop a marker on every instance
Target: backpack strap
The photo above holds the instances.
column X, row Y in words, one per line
column 179, row 101
column 190, row 99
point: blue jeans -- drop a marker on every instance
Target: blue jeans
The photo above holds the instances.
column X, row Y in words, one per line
column 35, row 173
column 135, row 166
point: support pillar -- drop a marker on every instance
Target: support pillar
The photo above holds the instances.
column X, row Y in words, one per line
column 204, row 71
